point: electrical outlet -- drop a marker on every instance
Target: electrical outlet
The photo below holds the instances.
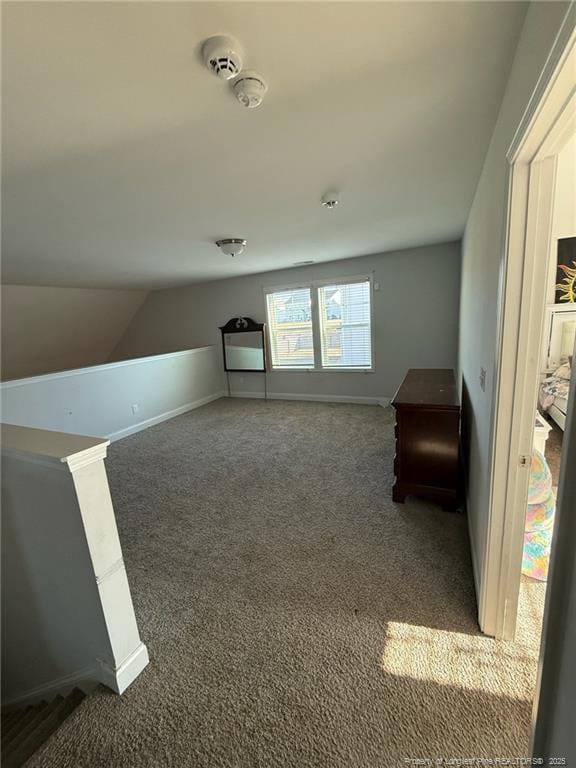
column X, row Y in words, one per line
column 135, row 408
column 482, row 378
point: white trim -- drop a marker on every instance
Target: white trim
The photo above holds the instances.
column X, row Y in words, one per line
column 522, row 302
column 474, row 557
column 28, row 450
column 551, row 67
column 313, row 286
column 86, row 679
column 117, row 565
column 133, row 428
column 383, row 401
column 289, row 369
column 79, row 460
column 103, row 367
column 120, row 677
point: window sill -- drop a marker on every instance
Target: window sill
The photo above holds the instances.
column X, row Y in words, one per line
column 322, row 370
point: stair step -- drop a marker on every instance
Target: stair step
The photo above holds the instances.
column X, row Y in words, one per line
column 52, row 717
column 19, row 725
column 41, row 713
column 9, row 719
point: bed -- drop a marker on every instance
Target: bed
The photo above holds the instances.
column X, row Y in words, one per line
column 557, row 363
column 553, row 398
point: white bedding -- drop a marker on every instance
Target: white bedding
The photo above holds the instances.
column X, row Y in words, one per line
column 553, row 390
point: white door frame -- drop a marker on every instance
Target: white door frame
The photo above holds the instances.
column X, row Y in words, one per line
column 546, row 126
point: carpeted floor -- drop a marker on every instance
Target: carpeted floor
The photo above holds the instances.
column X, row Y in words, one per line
column 294, row 615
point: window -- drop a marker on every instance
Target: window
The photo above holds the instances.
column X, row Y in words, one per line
column 290, row 328
column 322, row 326
column 345, row 335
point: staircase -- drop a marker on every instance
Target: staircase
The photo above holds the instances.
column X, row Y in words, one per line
column 25, row 730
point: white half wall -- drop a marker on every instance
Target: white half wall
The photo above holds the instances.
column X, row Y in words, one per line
column 116, row 399
column 482, row 251
column 47, row 329
column 415, row 321
column 67, row 613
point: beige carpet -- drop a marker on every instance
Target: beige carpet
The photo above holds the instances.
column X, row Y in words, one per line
column 294, row 615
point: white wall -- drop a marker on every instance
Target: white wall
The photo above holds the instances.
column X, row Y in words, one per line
column 48, row 329
column 98, row 401
column 415, row 316
column 481, row 262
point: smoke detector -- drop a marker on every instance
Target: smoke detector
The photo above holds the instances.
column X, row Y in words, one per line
column 250, row 88
column 231, row 246
column 330, row 200
column 223, row 56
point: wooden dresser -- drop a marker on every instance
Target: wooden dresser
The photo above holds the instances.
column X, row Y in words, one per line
column 427, row 437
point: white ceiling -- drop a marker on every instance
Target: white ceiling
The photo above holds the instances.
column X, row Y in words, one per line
column 124, row 159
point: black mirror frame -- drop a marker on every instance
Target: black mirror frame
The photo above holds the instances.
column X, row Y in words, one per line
column 243, row 325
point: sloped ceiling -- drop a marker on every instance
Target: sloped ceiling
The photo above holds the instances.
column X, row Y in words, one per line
column 54, row 329
column 124, row 158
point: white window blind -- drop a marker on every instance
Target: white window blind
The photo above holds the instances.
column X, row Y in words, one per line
column 290, row 328
column 345, row 325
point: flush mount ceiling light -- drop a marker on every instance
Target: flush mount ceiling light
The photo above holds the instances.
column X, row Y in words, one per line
column 223, row 56
column 231, row 246
column 330, row 200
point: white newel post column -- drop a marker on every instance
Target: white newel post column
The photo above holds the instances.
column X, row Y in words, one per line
column 67, row 611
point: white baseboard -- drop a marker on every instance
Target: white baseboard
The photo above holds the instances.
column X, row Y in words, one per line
column 383, row 401
column 119, row 678
column 85, row 679
column 133, row 428
column 474, row 558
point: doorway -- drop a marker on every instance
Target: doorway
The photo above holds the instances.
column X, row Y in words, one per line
column 547, row 130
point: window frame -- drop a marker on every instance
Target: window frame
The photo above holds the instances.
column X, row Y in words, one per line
column 313, row 286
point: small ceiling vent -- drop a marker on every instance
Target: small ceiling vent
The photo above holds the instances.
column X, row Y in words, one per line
column 223, row 56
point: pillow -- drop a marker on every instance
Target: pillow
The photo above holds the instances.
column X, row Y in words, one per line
column 563, row 372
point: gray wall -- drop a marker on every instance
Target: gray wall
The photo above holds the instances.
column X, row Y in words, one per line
column 481, row 261
column 46, row 329
column 415, row 315
column 52, row 622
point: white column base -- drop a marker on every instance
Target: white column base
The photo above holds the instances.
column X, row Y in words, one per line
column 119, row 678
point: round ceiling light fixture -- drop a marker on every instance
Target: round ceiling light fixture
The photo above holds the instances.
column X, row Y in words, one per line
column 231, row 246
column 330, row 200
column 250, row 89
column 223, row 56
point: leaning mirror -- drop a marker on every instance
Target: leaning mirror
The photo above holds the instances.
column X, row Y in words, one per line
column 243, row 345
